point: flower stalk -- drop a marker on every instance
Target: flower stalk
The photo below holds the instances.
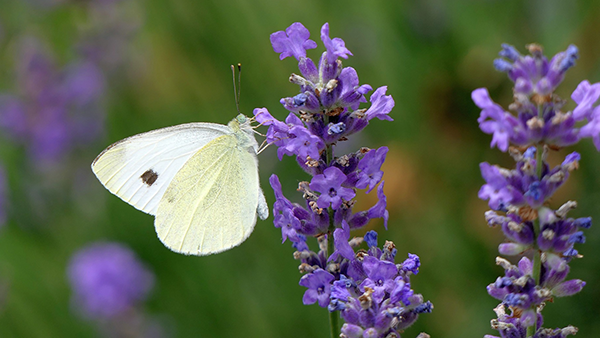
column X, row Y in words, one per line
column 361, row 284
column 543, row 237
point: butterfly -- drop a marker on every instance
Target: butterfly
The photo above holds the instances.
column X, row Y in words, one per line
column 199, row 180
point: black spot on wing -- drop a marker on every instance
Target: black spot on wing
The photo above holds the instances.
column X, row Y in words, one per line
column 149, row 177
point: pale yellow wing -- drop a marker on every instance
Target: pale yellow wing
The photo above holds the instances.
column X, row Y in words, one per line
column 211, row 203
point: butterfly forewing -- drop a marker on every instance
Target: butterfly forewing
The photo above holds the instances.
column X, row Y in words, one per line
column 211, row 204
column 139, row 169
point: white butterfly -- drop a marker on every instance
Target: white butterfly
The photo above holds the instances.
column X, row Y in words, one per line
column 200, row 180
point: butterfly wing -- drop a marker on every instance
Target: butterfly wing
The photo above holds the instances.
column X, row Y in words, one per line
column 139, row 169
column 212, row 203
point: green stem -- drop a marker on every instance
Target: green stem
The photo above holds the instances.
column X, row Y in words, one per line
column 537, row 259
column 333, row 324
column 333, row 316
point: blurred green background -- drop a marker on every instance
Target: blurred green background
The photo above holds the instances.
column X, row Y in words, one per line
column 175, row 68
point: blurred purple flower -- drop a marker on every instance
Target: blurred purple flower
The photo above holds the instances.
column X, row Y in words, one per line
column 53, row 110
column 108, row 279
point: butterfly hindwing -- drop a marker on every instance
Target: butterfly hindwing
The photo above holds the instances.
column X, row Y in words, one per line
column 211, row 204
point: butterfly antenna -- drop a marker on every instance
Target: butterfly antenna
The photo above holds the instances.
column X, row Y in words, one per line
column 237, row 88
column 239, row 93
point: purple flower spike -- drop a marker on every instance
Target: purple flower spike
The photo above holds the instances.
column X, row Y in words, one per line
column 293, row 42
column 371, row 292
column 319, row 287
column 108, row 279
column 335, row 47
column 521, row 195
column 329, row 184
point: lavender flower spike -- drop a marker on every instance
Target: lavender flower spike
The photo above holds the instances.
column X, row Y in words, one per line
column 521, row 197
column 364, row 287
column 108, row 279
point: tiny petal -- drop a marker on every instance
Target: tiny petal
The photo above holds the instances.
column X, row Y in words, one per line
column 511, row 249
column 370, row 168
column 584, row 222
column 329, row 184
column 371, row 238
column 340, row 240
column 263, row 116
column 335, row 47
column 352, row 331
column 585, row 95
column 568, row 288
column 509, row 52
column 293, row 42
column 411, row 264
column 592, row 128
column 379, row 209
column 381, row 105
column 493, row 119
